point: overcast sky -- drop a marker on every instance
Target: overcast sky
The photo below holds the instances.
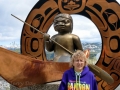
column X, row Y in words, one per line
column 10, row 28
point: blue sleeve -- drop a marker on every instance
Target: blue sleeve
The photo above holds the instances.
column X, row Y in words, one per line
column 95, row 87
column 63, row 84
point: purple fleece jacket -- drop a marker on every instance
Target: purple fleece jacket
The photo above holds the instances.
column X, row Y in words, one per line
column 87, row 80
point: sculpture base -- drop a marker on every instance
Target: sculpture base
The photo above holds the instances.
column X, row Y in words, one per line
column 37, row 87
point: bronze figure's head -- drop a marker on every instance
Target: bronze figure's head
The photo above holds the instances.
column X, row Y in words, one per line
column 63, row 23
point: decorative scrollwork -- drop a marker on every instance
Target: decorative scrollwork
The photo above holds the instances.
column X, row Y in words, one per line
column 104, row 14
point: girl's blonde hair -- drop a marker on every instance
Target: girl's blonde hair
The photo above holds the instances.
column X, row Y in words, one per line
column 78, row 55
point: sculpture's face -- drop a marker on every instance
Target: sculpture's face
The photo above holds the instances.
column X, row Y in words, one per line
column 63, row 25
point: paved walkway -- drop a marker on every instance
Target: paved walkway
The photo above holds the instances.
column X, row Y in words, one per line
column 6, row 86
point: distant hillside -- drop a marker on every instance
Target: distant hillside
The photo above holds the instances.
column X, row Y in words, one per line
column 15, row 49
column 95, row 48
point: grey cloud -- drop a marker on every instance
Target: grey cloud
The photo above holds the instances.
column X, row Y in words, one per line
column 10, row 28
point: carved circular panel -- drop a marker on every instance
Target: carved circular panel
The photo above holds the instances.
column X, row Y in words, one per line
column 105, row 14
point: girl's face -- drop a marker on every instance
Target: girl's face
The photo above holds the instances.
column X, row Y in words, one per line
column 78, row 64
